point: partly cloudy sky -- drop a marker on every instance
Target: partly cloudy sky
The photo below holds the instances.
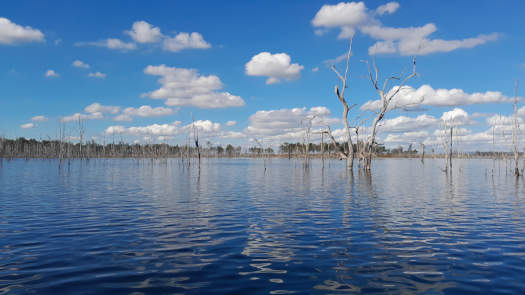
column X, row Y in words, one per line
column 243, row 70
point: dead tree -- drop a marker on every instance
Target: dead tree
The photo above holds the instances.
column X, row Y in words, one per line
column 81, row 131
column 263, row 150
column 386, row 94
column 307, row 123
column 422, row 153
column 196, row 138
column 349, row 156
column 515, row 131
column 447, row 143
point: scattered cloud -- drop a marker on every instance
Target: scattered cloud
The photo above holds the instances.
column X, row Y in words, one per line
column 388, row 8
column 39, row 119
column 426, row 95
column 231, row 123
column 205, row 127
column 79, row 116
column 499, row 120
column 183, row 41
column 287, row 124
column 274, row 66
column 51, row 74
column 353, row 16
column 456, row 117
column 315, row 70
column 111, row 43
column 143, row 111
column 347, row 16
column 521, row 111
column 98, row 75
column 407, row 137
column 336, row 60
column 27, row 126
column 98, row 108
column 143, row 32
column 186, row 87
column 11, row 33
column 415, row 41
column 404, row 124
column 80, row 64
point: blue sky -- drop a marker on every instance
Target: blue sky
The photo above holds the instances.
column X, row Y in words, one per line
column 261, row 66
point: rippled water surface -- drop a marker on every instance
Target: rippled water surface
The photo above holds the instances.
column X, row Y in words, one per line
column 242, row 226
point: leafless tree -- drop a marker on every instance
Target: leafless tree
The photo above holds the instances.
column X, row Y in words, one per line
column 307, row 123
column 422, row 152
column 263, row 150
column 341, row 96
column 196, row 137
column 515, row 131
column 386, row 94
column 81, row 131
column 447, row 141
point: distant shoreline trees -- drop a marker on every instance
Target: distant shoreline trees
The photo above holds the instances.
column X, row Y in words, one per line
column 32, row 148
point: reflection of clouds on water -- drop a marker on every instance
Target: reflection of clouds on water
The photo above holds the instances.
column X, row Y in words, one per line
column 163, row 226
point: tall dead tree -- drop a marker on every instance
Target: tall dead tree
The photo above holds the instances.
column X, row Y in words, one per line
column 196, row 138
column 447, row 142
column 340, row 93
column 307, row 123
column 422, row 153
column 81, row 131
column 386, row 94
column 515, row 131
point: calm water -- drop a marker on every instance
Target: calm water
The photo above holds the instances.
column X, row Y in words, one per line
column 232, row 227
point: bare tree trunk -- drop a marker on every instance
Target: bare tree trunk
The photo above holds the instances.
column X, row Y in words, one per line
column 515, row 131
column 341, row 96
column 386, row 96
column 196, row 139
column 422, row 153
column 450, row 149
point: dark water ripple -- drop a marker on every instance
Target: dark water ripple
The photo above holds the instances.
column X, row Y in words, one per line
column 230, row 227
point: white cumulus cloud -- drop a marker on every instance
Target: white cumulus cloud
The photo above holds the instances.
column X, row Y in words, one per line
column 39, row 119
column 11, row 33
column 521, row 111
column 80, row 64
column 51, row 74
column 231, row 123
column 185, row 41
column 287, row 124
column 205, row 127
column 274, row 66
column 79, row 116
column 27, row 126
column 352, row 16
column 98, row 75
column 426, row 95
column 143, row 32
column 98, row 108
column 111, row 43
column 143, row 111
column 186, row 87
column 346, row 16
column 388, row 8
column 456, row 117
column 408, row 124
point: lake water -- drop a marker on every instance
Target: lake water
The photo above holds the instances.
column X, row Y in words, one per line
column 246, row 226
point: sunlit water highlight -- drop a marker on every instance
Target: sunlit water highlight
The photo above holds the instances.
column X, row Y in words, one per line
column 242, row 226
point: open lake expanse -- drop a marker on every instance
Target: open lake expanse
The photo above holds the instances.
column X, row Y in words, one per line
column 246, row 226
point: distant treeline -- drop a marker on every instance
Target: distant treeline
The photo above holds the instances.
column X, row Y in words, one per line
column 31, row 148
